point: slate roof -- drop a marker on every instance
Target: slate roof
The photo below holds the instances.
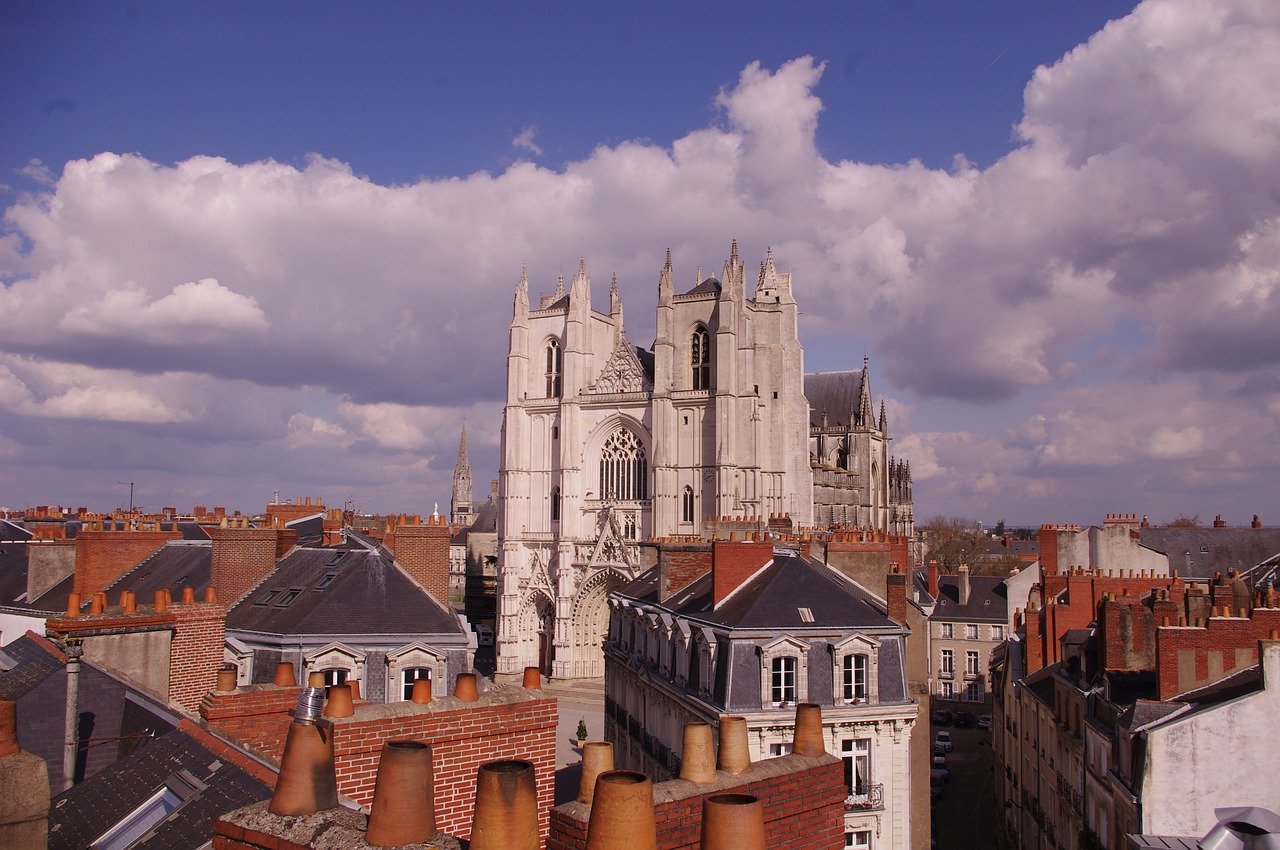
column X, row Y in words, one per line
column 772, row 599
column 171, row 566
column 837, row 393
column 368, row 594
column 1224, row 549
column 190, row 530
column 33, row 663
column 646, row 362
column 12, row 531
column 710, row 286
column 212, row 787
column 54, row 599
column 13, row 572
column 310, row 529
column 988, row 599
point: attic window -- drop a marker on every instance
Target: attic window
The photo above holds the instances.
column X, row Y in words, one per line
column 334, row 559
column 806, row 615
column 266, row 598
column 289, row 595
column 326, row 581
column 1204, row 550
column 140, row 821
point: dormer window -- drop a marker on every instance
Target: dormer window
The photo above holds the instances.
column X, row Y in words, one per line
column 856, row 670
column 782, row 685
column 700, row 358
column 784, row 668
column 555, row 366
column 855, row 677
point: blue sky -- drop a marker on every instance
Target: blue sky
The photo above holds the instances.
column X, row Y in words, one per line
column 251, row 247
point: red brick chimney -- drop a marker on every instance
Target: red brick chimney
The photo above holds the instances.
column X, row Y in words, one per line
column 1257, row 523
column 964, row 584
column 933, row 578
column 422, row 551
column 895, row 594
column 104, row 556
column 242, row 557
column 1033, row 646
column 732, row 563
column 1219, row 522
column 679, row 565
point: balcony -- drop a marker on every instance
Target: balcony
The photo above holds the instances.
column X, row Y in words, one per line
column 873, row 799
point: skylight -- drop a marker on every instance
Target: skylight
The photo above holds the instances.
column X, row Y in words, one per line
column 289, row 596
column 806, row 615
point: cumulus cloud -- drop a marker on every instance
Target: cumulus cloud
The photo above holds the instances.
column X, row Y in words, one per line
column 1140, row 193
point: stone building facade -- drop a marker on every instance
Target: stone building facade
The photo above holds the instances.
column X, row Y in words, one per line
column 605, row 444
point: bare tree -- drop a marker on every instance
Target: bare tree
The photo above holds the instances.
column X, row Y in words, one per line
column 1185, row 521
column 953, row 541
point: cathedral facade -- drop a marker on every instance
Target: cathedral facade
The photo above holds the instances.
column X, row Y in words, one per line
column 605, row 444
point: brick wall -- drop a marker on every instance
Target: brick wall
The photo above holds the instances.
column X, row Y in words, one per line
column 880, row 548
column 255, row 715
column 895, row 594
column 733, row 563
column 1188, row 657
column 104, row 556
column 1127, row 635
column 196, row 652
column 423, row 552
column 504, row 724
column 242, row 557
column 287, row 512
column 679, row 566
column 803, row 806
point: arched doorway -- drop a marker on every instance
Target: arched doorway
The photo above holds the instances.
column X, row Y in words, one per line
column 591, row 623
column 536, row 630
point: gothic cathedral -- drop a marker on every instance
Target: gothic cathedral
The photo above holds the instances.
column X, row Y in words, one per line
column 605, row 444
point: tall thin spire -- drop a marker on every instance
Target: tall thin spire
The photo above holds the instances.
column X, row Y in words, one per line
column 460, row 502
column 521, row 303
column 664, row 279
column 615, row 303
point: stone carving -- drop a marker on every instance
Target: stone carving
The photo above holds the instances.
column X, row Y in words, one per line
column 622, row 373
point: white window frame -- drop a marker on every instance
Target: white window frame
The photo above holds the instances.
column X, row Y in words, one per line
column 997, row 632
column 856, row 644
column 406, row 684
column 946, row 631
column 971, row 661
column 414, row 656
column 782, row 680
column 858, row 839
column 332, row 657
column 784, row 647
column 971, row 631
column 947, row 664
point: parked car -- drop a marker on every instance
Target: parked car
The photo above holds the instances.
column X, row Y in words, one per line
column 984, row 721
column 936, row 785
column 942, row 742
column 942, row 717
column 965, row 720
column 939, row 767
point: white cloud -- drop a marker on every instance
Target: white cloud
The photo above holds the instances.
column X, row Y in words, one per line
column 1141, row 194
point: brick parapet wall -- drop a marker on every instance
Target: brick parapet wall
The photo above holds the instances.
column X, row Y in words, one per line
column 242, row 557
column 104, row 556
column 257, row 716
column 196, row 652
column 423, row 552
column 895, row 547
column 254, row 828
column 506, row 724
column 1189, row 657
column 803, row 806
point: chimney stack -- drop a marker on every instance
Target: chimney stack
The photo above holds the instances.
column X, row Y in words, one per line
column 964, row 584
column 242, row 557
column 1219, row 522
column 422, row 551
column 1257, row 523
column 933, row 578
column 506, row 808
column 307, row 782
column 895, row 594
column 733, row 563
column 24, row 806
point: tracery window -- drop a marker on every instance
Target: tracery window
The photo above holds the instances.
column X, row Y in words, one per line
column 700, row 351
column 555, row 504
column 555, row 363
column 623, row 468
column 686, row 505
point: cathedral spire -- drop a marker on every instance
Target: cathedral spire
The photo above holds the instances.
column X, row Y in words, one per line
column 460, row 502
column 664, row 280
column 884, row 420
column 559, row 293
column 866, row 410
column 768, row 274
column 520, row 308
column 615, row 303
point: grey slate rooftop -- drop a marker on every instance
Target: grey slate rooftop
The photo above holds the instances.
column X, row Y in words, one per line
column 836, row 393
column 27, row 663
column 340, row 591
column 173, row 566
column 988, row 598
column 1198, row 553
column 772, row 599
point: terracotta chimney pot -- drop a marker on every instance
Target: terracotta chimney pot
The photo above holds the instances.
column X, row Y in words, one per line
column 227, row 679
column 129, row 601
column 339, row 702
column 8, row 727
column 307, row 782
column 808, row 739
column 732, row 822
column 403, row 809
column 465, row 687
column 533, row 678
column 735, row 751
column 315, row 679
column 622, row 816
column 73, row 604
column 698, row 754
column 354, row 685
column 97, row 604
column 597, row 758
column 188, row 595
column 422, row 691
column 285, row 677
column 211, row 595
column 506, row 808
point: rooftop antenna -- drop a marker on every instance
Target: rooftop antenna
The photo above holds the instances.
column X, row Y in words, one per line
column 130, row 483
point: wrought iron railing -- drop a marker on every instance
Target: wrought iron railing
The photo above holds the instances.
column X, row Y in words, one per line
column 872, row 799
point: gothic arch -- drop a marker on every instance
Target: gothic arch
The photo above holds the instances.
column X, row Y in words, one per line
column 535, row 631
column 590, row 622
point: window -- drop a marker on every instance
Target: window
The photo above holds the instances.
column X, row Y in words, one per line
column 700, row 355
column 265, row 599
column 779, row 750
column 971, row 632
column 856, row 753
column 948, row 663
column 555, row 504
column 629, row 526
column 947, row 631
column 971, row 663
column 326, row 581
column 686, row 505
column 289, row 596
column 782, row 680
column 140, row 821
column 997, row 632
column 555, row 363
column 860, row 840
column 973, row 692
column 946, row 690
column 333, row 676
column 855, row 678
column 623, row 468
column 410, row 675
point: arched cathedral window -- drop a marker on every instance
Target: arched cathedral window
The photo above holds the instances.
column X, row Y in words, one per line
column 554, row 363
column 623, row 468
column 555, row 504
column 700, row 349
column 686, row 504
